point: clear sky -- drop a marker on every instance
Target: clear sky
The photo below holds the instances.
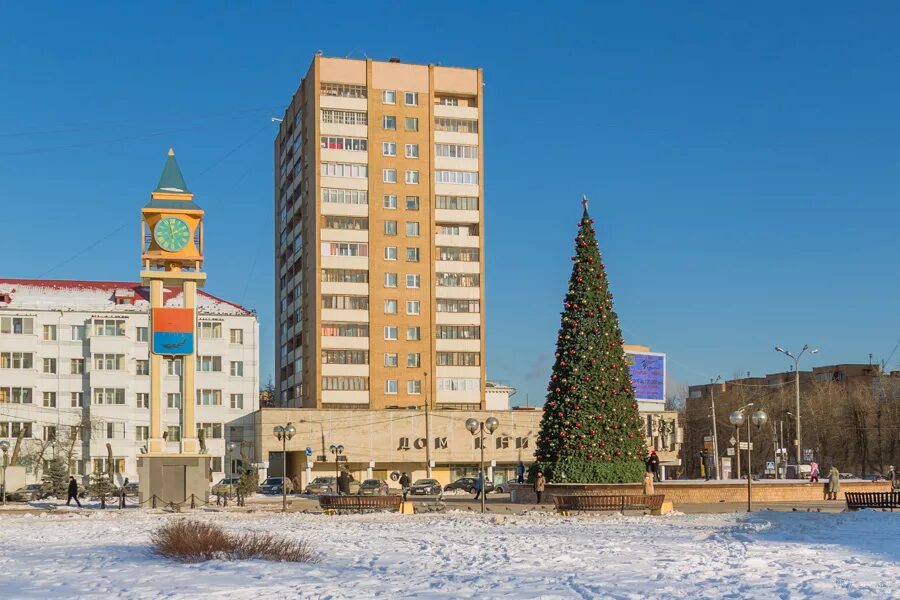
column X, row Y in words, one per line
column 741, row 161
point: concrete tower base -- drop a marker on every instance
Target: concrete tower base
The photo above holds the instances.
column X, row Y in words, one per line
column 173, row 478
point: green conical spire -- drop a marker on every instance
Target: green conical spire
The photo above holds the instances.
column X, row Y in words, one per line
column 171, row 179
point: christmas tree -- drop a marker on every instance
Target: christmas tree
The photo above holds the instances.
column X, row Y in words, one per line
column 590, row 431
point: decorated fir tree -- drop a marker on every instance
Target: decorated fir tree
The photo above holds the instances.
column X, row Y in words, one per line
column 590, row 431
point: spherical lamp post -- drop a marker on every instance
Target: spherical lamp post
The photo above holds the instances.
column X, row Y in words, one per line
column 4, row 447
column 477, row 427
column 284, row 433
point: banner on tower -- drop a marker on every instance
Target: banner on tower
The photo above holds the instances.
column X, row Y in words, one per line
column 173, row 331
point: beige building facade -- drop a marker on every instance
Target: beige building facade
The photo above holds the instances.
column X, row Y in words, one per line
column 379, row 253
column 379, row 443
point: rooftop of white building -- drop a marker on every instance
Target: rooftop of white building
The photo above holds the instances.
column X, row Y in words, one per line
column 117, row 296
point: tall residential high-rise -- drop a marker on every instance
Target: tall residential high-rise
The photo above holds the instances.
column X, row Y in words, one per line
column 379, row 248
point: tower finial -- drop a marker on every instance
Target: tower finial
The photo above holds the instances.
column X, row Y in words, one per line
column 171, row 152
column 584, row 204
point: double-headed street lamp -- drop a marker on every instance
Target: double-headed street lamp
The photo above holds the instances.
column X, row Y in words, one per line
column 477, row 427
column 4, row 447
column 284, row 433
column 337, row 450
column 796, row 360
column 759, row 419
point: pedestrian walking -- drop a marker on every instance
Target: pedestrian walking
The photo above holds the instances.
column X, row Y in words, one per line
column 834, row 484
column 704, row 454
column 892, row 477
column 539, row 482
column 814, row 472
column 520, row 472
column 404, row 484
column 73, row 492
column 343, row 483
column 479, row 485
column 653, row 465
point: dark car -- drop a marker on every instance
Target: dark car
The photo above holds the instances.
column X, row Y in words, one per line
column 468, row 484
column 425, row 487
column 29, row 493
column 273, row 486
column 373, row 487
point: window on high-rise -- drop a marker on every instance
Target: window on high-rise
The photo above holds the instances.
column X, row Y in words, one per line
column 390, row 386
column 412, row 228
column 390, row 228
column 413, row 360
column 390, row 359
column 389, row 96
column 390, row 201
column 456, row 177
column 456, row 202
column 390, row 280
column 390, row 253
column 390, row 332
column 389, row 122
column 455, row 125
column 411, row 98
column 412, row 203
column 412, row 177
column 412, row 255
column 414, row 387
column 390, row 307
column 389, row 175
column 412, row 307
column 412, row 151
column 413, row 281
column 414, row 334
column 455, row 150
column 345, row 117
column 411, row 124
column 389, row 148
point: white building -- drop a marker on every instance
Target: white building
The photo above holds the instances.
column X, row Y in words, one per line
column 74, row 367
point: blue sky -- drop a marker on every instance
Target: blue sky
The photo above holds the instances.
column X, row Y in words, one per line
column 741, row 161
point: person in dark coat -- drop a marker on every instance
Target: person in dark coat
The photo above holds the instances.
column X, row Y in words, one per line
column 653, row 465
column 73, row 492
column 404, row 484
column 520, row 472
column 343, row 483
column 479, row 485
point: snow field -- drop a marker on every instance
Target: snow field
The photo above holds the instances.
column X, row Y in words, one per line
column 93, row 554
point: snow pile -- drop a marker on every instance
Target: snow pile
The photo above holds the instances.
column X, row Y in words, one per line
column 467, row 555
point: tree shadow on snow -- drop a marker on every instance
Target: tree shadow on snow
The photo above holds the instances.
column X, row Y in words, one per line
column 868, row 531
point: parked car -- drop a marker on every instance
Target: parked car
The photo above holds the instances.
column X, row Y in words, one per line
column 29, row 493
column 226, row 485
column 373, row 487
column 848, row 476
column 425, row 487
column 272, row 486
column 468, row 484
column 321, row 485
column 131, row 488
column 875, row 477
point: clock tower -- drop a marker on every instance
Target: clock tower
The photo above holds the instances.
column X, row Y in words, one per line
column 172, row 258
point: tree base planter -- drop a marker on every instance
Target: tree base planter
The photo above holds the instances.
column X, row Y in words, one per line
column 607, row 502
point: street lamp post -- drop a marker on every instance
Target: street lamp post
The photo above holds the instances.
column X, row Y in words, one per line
column 4, row 447
column 230, row 447
column 337, row 450
column 284, row 433
column 759, row 419
column 712, row 400
column 477, row 427
column 796, row 360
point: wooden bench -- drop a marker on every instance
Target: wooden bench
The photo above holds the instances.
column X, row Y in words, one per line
column 342, row 504
column 619, row 502
column 857, row 500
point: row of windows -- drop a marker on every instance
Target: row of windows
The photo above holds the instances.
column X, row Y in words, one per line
column 391, row 306
column 345, row 275
column 345, row 302
column 413, row 334
column 459, row 359
column 344, row 249
column 110, row 328
column 355, row 170
column 344, row 143
column 390, row 253
column 115, row 396
column 448, row 305
column 389, row 122
column 390, row 202
column 345, row 329
column 413, row 360
column 458, row 254
column 345, row 357
column 347, row 223
column 412, row 281
column 390, row 176
column 390, row 149
column 456, row 151
column 114, row 430
column 456, row 202
column 456, row 177
column 409, row 98
column 112, row 362
column 345, row 384
column 458, row 332
column 457, row 279
column 345, row 117
column 412, row 228
column 458, row 384
column 340, row 196
column 343, row 90
column 455, row 125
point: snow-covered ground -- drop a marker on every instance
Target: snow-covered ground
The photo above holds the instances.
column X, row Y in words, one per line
column 93, row 554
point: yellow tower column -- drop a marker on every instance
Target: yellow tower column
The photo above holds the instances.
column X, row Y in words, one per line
column 189, row 442
column 156, row 443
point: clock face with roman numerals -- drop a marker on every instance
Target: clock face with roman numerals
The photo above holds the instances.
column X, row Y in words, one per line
column 172, row 234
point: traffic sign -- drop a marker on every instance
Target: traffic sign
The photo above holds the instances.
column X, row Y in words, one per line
column 743, row 446
column 308, row 451
column 732, row 441
column 729, row 451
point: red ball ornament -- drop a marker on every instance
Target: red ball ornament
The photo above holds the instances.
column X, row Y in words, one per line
column 590, row 457
column 557, row 390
